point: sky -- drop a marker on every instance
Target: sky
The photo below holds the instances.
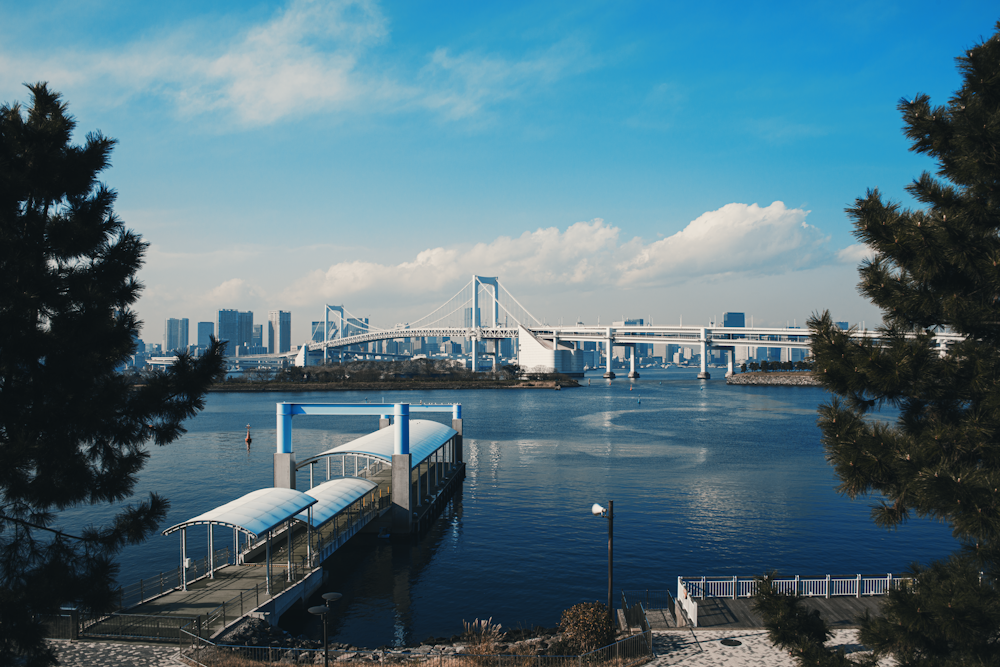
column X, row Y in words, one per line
column 661, row 160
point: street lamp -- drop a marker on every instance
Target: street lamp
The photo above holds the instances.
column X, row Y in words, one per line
column 609, row 514
column 323, row 610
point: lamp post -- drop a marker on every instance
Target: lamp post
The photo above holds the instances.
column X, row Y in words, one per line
column 323, row 610
column 609, row 514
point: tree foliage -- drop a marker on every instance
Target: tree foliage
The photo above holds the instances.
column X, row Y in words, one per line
column 73, row 431
column 932, row 269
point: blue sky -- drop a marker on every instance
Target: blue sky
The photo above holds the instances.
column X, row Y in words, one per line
column 656, row 160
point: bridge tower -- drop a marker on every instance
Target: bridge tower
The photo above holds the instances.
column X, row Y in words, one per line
column 477, row 323
column 326, row 327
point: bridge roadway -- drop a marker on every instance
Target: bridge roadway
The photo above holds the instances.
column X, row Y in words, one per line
column 704, row 337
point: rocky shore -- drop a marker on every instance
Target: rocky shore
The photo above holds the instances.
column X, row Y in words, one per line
column 779, row 379
column 254, row 632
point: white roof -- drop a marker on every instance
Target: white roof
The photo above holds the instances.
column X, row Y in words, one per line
column 333, row 496
column 255, row 513
column 425, row 438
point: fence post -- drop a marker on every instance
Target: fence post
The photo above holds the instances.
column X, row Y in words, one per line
column 858, row 587
column 796, row 585
column 223, row 614
column 888, row 583
column 703, row 588
column 827, row 587
column 736, row 591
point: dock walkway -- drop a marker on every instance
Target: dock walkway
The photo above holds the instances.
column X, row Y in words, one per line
column 838, row 612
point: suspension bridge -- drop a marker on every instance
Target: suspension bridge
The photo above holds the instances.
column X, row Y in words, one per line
column 484, row 311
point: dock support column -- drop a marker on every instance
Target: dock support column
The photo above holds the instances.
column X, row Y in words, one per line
column 284, row 459
column 383, row 422
column 609, row 342
column 456, row 423
column 267, row 564
column 402, row 508
column 184, row 569
column 704, row 374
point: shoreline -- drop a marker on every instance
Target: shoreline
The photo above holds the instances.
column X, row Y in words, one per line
column 416, row 385
column 774, row 379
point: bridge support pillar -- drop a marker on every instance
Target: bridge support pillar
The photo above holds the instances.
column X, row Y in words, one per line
column 704, row 374
column 609, row 342
column 732, row 360
column 631, row 357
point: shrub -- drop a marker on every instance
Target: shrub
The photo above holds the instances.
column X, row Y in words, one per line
column 482, row 637
column 587, row 626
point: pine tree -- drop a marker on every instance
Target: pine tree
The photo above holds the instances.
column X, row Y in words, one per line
column 73, row 431
column 933, row 269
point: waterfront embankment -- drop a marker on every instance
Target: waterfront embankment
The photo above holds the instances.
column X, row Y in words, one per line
column 776, row 379
column 393, row 385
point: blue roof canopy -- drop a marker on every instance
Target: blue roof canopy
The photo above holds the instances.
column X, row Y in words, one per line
column 334, row 496
column 255, row 513
column 426, row 437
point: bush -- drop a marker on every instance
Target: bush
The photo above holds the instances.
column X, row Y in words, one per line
column 587, row 626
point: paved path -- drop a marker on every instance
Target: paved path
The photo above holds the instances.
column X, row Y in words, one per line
column 97, row 654
column 703, row 648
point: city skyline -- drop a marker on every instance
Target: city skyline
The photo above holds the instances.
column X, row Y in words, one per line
column 601, row 159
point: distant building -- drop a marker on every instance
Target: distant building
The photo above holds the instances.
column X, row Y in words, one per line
column 641, row 349
column 734, row 320
column 175, row 334
column 279, row 331
column 205, row 331
column 236, row 326
column 844, row 326
column 257, row 339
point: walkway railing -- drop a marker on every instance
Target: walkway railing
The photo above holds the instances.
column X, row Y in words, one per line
column 690, row 589
column 121, row 625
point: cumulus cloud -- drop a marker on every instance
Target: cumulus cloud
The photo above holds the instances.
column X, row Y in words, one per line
column 314, row 56
column 737, row 239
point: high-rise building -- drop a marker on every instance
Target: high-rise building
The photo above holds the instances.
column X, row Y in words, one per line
column 236, row 326
column 279, row 331
column 175, row 334
column 734, row 320
column 257, row 340
column 205, row 331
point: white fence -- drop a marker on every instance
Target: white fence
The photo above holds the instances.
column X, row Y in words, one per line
column 691, row 588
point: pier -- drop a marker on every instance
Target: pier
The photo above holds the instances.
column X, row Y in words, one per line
column 396, row 479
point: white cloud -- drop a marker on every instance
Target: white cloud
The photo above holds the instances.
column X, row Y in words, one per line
column 854, row 254
column 315, row 56
column 735, row 240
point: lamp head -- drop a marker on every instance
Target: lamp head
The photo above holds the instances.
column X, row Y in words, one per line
column 597, row 510
column 331, row 597
column 318, row 610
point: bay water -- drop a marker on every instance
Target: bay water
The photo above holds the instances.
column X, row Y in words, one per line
column 706, row 479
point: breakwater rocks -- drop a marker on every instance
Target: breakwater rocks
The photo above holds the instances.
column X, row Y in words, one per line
column 779, row 379
column 256, row 633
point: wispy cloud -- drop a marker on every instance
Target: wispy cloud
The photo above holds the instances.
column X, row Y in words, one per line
column 854, row 254
column 313, row 57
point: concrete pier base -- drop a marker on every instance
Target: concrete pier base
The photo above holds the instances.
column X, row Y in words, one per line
column 633, row 374
column 704, row 375
column 284, row 470
column 609, row 376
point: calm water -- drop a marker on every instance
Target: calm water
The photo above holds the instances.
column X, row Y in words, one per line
column 706, row 479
